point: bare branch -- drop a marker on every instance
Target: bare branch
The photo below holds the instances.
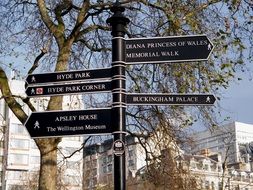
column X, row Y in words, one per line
column 37, row 59
column 92, row 48
column 78, row 150
column 45, row 17
column 10, row 99
column 80, row 20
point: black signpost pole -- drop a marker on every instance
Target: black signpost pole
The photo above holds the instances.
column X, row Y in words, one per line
column 118, row 23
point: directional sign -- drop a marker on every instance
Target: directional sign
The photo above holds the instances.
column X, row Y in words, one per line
column 170, row 99
column 66, row 123
column 51, row 90
column 168, row 49
column 69, row 76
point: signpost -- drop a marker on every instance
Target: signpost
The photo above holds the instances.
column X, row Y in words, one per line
column 118, row 23
column 99, row 121
column 168, row 49
column 51, row 90
column 170, row 99
column 67, row 123
column 56, row 77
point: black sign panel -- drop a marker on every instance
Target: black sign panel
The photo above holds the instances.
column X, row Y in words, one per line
column 168, row 49
column 69, row 76
column 170, row 99
column 67, row 123
column 51, row 90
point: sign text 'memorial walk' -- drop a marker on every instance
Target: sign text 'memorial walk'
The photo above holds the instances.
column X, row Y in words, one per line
column 168, row 49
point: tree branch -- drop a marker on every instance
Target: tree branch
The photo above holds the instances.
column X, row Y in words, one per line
column 201, row 7
column 78, row 150
column 15, row 107
column 92, row 48
column 80, row 20
column 57, row 31
column 37, row 59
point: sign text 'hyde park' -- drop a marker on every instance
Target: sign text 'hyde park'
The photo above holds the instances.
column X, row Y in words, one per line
column 69, row 76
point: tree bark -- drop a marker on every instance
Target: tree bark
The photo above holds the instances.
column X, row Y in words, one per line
column 48, row 147
column 48, row 165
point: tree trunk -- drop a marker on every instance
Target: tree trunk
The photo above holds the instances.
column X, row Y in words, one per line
column 48, row 165
column 48, row 147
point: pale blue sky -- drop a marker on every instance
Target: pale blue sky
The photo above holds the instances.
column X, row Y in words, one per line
column 238, row 99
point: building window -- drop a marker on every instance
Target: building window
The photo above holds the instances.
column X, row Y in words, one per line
column 1, row 174
column 73, row 165
column 33, row 145
column 88, row 165
column 109, row 159
column 1, row 159
column 109, row 168
column 206, row 167
column 221, row 147
column 73, row 180
column 131, row 153
column 18, row 175
column 19, row 159
column 94, row 182
column 104, row 160
column 1, row 144
column 35, row 159
column 130, row 162
column 19, row 144
column 16, row 187
column 18, row 129
column 71, row 150
column 104, row 169
column 94, row 172
column 207, row 184
column 94, row 163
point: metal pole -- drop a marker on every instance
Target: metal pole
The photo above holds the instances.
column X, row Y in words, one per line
column 118, row 23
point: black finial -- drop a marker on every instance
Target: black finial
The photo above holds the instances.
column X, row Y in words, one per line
column 118, row 21
column 117, row 7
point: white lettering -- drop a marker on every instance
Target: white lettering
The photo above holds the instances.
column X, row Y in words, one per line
column 64, row 76
column 197, row 43
column 82, row 75
column 66, row 118
column 162, row 99
column 55, row 89
column 135, row 46
column 87, row 117
column 146, row 54
column 67, row 128
column 161, row 45
column 73, row 88
column 51, row 129
column 170, row 53
column 93, row 87
column 91, row 127
column 187, row 99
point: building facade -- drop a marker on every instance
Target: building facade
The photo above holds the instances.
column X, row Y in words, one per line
column 98, row 162
column 19, row 155
column 212, row 175
column 231, row 141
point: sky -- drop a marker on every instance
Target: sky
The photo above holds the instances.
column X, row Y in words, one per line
column 238, row 99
